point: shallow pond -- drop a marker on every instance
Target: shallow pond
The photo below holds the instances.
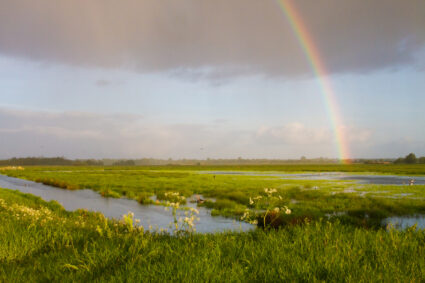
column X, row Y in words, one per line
column 149, row 215
column 364, row 179
column 403, row 222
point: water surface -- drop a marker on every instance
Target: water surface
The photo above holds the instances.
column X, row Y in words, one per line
column 403, row 222
column 149, row 215
column 363, row 179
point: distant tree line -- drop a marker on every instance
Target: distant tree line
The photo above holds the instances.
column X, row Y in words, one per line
column 62, row 161
column 410, row 159
column 124, row 163
column 49, row 161
column 210, row 161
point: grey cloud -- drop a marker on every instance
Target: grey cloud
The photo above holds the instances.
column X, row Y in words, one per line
column 106, row 82
column 102, row 83
column 220, row 121
column 77, row 134
column 293, row 133
column 89, row 135
column 230, row 36
column 299, row 134
column 74, row 121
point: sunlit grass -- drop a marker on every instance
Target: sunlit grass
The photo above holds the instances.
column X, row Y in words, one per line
column 83, row 246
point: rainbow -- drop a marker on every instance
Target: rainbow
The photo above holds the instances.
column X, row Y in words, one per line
column 313, row 57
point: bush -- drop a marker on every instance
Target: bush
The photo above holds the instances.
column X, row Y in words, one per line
column 144, row 198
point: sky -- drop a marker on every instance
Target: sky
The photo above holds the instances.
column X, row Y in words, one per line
column 209, row 79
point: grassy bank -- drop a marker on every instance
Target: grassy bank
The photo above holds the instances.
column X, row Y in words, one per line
column 40, row 241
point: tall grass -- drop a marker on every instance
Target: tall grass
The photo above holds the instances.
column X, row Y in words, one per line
column 83, row 246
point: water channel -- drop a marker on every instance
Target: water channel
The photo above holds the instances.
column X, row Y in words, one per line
column 362, row 179
column 149, row 215
column 157, row 218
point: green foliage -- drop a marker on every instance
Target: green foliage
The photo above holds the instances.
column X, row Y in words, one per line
column 411, row 158
column 124, row 163
column 108, row 193
column 171, row 196
column 221, row 204
column 144, row 198
column 57, row 183
column 50, row 161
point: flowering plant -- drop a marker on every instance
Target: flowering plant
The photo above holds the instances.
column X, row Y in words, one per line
column 272, row 212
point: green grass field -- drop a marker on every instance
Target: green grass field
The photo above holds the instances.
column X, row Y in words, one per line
column 40, row 241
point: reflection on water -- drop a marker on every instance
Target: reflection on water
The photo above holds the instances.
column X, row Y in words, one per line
column 364, row 179
column 403, row 222
column 114, row 208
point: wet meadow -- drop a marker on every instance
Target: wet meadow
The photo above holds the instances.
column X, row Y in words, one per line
column 308, row 229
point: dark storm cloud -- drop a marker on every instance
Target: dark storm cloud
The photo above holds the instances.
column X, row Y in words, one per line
column 243, row 36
